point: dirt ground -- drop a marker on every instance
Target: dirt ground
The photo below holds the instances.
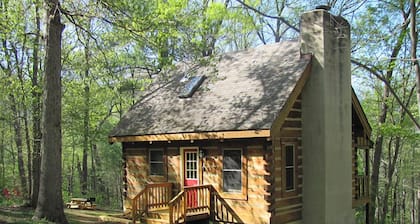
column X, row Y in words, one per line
column 23, row 215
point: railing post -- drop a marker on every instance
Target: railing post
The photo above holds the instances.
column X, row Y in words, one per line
column 212, row 199
column 133, row 210
column 146, row 196
column 185, row 207
column 171, row 218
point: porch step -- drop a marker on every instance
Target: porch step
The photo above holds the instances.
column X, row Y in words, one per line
column 154, row 221
column 157, row 216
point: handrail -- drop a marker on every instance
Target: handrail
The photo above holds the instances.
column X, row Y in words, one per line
column 192, row 200
column 177, row 208
column 155, row 195
column 221, row 210
column 139, row 205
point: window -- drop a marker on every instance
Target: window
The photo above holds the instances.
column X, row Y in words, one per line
column 191, row 165
column 289, row 162
column 156, row 162
column 232, row 170
column 191, row 86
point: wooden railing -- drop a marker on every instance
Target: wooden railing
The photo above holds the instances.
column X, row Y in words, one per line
column 153, row 196
column 221, row 211
column 198, row 200
column 361, row 192
column 362, row 187
column 177, row 209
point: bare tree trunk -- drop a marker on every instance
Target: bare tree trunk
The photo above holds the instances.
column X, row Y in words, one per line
column 80, row 171
column 93, row 168
column 413, row 186
column 19, row 144
column 392, row 160
column 2, row 159
column 50, row 201
column 86, row 114
column 403, row 206
column 413, row 198
column 395, row 200
column 414, row 40
column 418, row 206
column 377, row 160
column 29, row 156
column 71, row 178
column 36, row 113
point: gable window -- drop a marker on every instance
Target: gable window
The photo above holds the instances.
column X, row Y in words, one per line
column 156, row 162
column 232, row 170
column 289, row 167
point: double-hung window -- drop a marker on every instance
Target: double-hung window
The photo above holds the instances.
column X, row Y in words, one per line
column 156, row 163
column 289, row 167
column 232, row 170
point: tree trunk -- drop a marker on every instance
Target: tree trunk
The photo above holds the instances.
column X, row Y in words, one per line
column 50, row 201
column 2, row 160
column 413, row 191
column 414, row 40
column 29, row 155
column 377, row 160
column 413, row 198
column 93, row 168
column 395, row 200
column 71, row 179
column 392, row 160
column 17, row 127
column 86, row 123
column 382, row 119
column 36, row 113
column 418, row 206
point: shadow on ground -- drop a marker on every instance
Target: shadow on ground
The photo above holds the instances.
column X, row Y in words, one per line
column 23, row 215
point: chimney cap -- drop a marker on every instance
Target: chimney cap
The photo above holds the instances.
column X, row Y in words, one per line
column 324, row 7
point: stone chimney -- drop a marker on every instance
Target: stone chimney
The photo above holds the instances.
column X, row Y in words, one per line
column 326, row 113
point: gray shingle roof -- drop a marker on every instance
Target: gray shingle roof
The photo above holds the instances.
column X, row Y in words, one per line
column 244, row 90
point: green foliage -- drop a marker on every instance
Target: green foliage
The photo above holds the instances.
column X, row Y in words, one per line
column 112, row 48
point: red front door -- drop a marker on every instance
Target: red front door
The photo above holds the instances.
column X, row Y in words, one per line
column 191, row 175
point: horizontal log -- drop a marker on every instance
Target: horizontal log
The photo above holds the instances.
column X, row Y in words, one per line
column 192, row 136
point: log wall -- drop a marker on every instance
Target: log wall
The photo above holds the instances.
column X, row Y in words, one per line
column 287, row 206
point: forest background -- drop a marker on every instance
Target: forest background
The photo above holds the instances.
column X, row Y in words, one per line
column 112, row 49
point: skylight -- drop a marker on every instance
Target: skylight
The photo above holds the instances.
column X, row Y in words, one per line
column 191, row 86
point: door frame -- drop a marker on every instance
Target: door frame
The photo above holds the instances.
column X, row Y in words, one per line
column 182, row 165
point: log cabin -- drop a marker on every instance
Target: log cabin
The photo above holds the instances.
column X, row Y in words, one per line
column 273, row 134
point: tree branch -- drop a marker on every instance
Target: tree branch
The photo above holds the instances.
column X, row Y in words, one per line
column 383, row 79
column 282, row 19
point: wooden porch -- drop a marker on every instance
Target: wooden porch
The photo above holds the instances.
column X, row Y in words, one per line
column 361, row 196
column 155, row 204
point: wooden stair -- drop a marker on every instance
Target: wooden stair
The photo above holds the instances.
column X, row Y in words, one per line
column 156, row 216
column 197, row 204
column 161, row 216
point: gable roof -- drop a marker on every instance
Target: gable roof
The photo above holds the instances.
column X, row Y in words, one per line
column 243, row 91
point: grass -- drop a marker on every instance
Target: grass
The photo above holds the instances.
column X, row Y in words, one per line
column 24, row 215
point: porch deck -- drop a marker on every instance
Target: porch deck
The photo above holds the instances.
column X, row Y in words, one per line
column 362, row 195
column 201, row 202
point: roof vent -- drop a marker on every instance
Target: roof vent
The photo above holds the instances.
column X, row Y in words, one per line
column 191, row 86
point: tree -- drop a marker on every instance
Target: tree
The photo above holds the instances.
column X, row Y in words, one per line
column 36, row 111
column 50, row 202
column 414, row 45
column 382, row 45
